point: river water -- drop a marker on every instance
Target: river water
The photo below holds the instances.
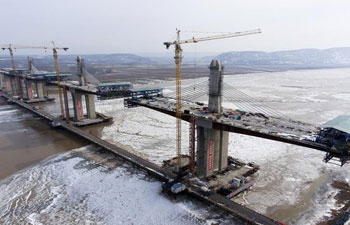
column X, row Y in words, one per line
column 50, row 177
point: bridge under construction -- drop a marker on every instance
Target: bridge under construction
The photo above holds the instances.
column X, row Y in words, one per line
column 209, row 121
column 262, row 122
column 240, row 212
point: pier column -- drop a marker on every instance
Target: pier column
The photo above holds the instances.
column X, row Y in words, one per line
column 29, row 89
column 40, row 90
column 13, row 86
column 8, row 85
column 24, row 87
column 212, row 145
column 77, row 104
column 66, row 103
column 35, row 84
column 90, row 106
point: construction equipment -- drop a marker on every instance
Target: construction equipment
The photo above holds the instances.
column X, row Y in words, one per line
column 178, row 59
column 55, row 55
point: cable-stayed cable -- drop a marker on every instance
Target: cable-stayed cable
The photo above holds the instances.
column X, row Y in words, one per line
column 236, row 96
column 90, row 78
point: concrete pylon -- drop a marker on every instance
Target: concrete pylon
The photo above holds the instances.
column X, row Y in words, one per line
column 31, row 65
column 81, row 71
column 215, row 86
column 212, row 145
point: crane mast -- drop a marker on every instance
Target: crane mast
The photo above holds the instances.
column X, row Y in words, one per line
column 55, row 56
column 178, row 60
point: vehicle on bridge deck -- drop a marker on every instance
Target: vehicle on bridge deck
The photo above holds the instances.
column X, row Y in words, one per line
column 114, row 90
column 146, row 92
column 114, row 87
column 50, row 76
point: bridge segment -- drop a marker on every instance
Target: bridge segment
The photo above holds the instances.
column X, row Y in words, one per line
column 276, row 129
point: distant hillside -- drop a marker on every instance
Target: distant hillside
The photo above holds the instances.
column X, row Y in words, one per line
column 116, row 59
column 101, row 59
column 234, row 62
column 108, row 59
column 302, row 57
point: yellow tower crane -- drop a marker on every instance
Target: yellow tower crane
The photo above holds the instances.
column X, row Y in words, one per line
column 55, row 56
column 18, row 85
column 178, row 59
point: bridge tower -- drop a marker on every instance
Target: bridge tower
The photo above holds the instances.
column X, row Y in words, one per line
column 212, row 145
column 78, row 95
column 28, row 84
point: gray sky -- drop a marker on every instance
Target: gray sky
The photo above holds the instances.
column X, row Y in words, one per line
column 141, row 26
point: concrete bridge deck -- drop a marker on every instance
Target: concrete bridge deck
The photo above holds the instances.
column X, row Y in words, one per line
column 272, row 128
column 83, row 89
column 247, row 216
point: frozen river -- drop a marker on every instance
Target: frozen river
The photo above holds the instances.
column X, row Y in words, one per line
column 80, row 187
column 294, row 184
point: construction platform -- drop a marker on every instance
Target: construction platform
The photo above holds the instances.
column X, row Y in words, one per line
column 236, row 178
column 241, row 213
column 100, row 118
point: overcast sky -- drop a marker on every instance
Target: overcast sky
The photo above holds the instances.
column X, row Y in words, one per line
column 141, row 26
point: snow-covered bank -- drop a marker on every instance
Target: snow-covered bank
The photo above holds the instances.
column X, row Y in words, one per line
column 82, row 187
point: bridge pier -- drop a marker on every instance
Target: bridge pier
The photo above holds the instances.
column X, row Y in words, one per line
column 35, row 91
column 78, row 105
column 212, row 145
column 80, row 118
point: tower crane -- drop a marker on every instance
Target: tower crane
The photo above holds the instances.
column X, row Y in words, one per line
column 18, row 82
column 55, row 56
column 178, row 59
